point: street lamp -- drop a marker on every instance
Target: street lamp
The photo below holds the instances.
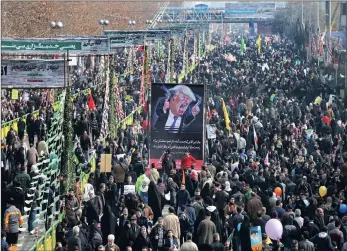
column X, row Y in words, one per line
column 103, row 23
column 56, row 25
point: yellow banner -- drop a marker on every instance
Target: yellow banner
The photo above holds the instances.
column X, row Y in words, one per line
column 14, row 94
column 226, row 115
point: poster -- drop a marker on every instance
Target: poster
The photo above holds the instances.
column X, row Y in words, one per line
column 211, row 131
column 105, row 163
column 256, row 238
column 14, row 94
column 177, row 122
column 32, row 73
column 129, row 189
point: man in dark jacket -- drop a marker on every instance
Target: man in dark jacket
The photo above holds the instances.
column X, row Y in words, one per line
column 322, row 241
column 23, row 179
column 158, row 234
column 182, row 197
column 216, row 244
column 85, row 145
column 21, row 128
column 74, row 241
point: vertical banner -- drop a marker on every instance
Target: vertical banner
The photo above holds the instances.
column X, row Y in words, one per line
column 172, row 59
column 177, row 122
column 256, row 238
column 200, row 46
column 184, row 54
column 104, row 122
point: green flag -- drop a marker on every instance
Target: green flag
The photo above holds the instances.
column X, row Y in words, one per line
column 242, row 46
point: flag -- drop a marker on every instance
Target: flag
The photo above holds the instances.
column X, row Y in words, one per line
column 242, row 46
column 255, row 138
column 183, row 176
column 266, row 161
column 91, row 103
column 226, row 116
column 209, row 115
column 259, row 44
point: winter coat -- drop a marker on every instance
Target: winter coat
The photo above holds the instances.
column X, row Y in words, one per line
column 172, row 222
column 205, row 232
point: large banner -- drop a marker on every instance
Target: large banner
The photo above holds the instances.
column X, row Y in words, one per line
column 177, row 122
column 32, row 73
column 76, row 45
column 250, row 10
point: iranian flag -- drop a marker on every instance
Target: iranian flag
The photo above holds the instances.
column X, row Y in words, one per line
column 255, row 139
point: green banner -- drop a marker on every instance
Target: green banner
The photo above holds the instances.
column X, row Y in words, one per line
column 39, row 46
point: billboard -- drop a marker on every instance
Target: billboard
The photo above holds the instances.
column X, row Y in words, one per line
column 250, row 10
column 177, row 122
column 57, row 45
column 32, row 73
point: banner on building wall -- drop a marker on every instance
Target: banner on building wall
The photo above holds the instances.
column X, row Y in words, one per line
column 177, row 122
column 32, row 73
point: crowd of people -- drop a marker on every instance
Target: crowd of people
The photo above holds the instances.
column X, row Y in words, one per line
column 281, row 164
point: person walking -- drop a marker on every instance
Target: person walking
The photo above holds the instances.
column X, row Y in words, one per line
column 206, row 229
column 13, row 221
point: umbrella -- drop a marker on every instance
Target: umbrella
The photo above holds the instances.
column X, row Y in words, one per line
column 326, row 120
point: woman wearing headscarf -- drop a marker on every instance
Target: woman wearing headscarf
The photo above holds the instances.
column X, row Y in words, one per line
column 244, row 236
column 154, row 201
column 108, row 223
column 142, row 240
column 206, row 190
column 124, row 239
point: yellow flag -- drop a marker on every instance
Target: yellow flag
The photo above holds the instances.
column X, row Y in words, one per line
column 259, row 44
column 226, row 116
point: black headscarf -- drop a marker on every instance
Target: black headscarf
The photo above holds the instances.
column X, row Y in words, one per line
column 108, row 223
column 154, row 201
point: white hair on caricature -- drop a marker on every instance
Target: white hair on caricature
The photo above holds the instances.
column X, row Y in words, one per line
column 184, row 89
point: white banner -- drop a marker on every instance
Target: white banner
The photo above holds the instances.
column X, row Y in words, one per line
column 129, row 189
column 32, row 73
column 211, row 131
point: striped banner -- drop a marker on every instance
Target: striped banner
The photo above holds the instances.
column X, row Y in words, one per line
column 104, row 122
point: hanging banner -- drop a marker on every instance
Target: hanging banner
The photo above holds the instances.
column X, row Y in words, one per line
column 126, row 41
column 32, row 73
column 250, row 10
column 177, row 122
column 57, row 45
column 146, row 34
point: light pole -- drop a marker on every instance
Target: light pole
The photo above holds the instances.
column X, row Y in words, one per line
column 132, row 23
column 103, row 23
column 56, row 25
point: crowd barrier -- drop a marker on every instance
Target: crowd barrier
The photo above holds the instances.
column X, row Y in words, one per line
column 48, row 242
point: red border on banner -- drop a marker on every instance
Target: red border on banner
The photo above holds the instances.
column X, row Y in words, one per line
column 157, row 163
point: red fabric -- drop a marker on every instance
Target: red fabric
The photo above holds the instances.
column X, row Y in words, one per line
column 91, row 103
column 187, row 162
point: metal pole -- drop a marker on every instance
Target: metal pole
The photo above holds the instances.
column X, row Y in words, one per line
column 302, row 13
column 336, row 77
column 329, row 19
